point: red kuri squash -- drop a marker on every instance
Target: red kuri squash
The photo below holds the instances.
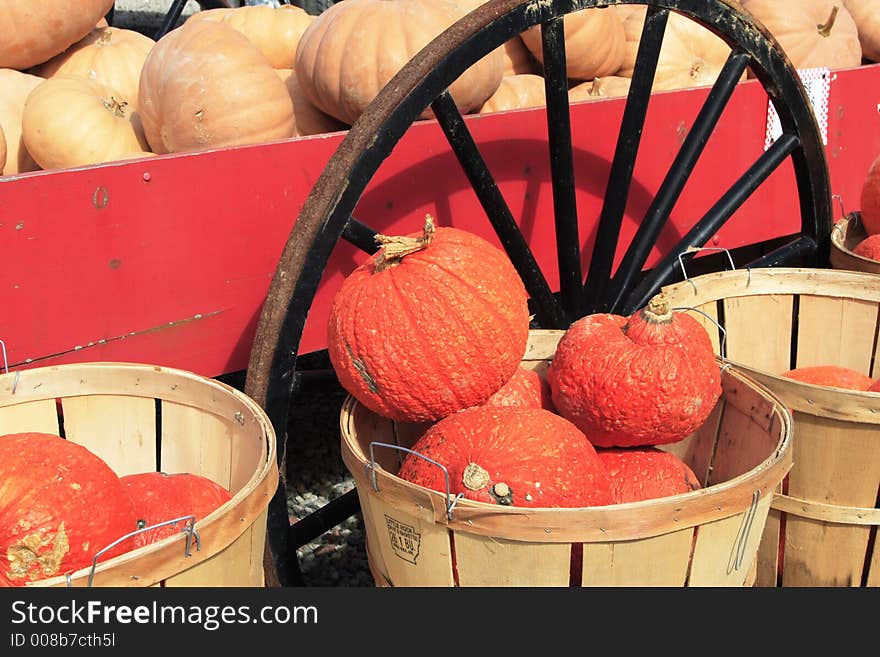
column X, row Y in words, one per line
column 429, row 325
column 527, row 457
column 834, row 376
column 646, row 473
column 649, row 379
column 60, row 504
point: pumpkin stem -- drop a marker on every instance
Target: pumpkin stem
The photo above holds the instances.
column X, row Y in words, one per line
column 474, row 477
column 116, row 106
column 657, row 311
column 106, row 36
column 395, row 247
column 825, row 28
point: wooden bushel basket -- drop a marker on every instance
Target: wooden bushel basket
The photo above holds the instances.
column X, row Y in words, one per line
column 708, row 537
column 845, row 234
column 143, row 418
column 822, row 526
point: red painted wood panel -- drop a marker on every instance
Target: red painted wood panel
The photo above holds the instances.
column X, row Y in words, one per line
column 167, row 260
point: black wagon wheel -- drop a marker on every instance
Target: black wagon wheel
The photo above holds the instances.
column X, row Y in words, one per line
column 328, row 215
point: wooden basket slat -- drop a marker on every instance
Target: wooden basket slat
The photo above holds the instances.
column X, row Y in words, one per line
column 653, row 561
column 698, row 449
column 120, row 428
column 767, row 570
column 836, row 330
column 492, row 561
column 707, row 315
column 240, row 564
column 819, row 553
column 417, row 550
column 724, row 549
column 39, row 416
column 197, row 442
column 758, row 330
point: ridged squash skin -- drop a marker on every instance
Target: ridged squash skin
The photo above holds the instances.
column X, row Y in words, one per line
column 647, row 379
column 834, row 376
column 523, row 457
column 869, row 247
column 60, row 504
column 869, row 198
column 205, row 85
column 354, row 48
column 525, row 388
column 516, row 92
column 646, row 473
column 866, row 14
column 440, row 330
column 33, row 31
column 158, row 497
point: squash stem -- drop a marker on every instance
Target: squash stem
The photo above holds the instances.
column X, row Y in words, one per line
column 396, row 247
column 825, row 28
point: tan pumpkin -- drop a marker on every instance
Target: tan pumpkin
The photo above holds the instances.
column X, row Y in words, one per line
column 2, row 150
column 32, row 32
column 866, row 14
column 813, row 33
column 351, row 51
column 517, row 58
column 276, row 31
column 611, row 86
column 135, row 155
column 112, row 56
column 516, row 92
column 15, row 86
column 205, row 85
column 690, row 55
column 308, row 118
column 72, row 121
column 594, row 42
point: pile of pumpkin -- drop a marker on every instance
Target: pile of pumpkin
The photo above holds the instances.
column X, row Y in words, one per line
column 63, row 508
column 432, row 330
column 74, row 91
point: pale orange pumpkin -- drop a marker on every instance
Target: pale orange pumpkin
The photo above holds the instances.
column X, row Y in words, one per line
column 611, row 86
column 351, row 51
column 15, row 86
column 276, row 31
column 32, row 32
column 690, row 55
column 308, row 118
column 72, row 121
column 866, row 14
column 2, row 150
column 517, row 58
column 205, row 85
column 813, row 33
column 516, row 92
column 594, row 42
column 113, row 56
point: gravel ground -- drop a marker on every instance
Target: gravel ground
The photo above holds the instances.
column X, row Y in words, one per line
column 315, row 471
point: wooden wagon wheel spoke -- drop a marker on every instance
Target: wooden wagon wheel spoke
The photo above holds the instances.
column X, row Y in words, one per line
column 326, row 216
column 547, row 308
column 623, row 162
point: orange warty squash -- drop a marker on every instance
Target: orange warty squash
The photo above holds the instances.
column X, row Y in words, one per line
column 14, row 89
column 429, row 325
column 34, row 31
column 648, row 379
column 309, row 119
column 833, row 376
column 158, row 497
column 274, row 30
column 594, row 42
column 869, row 247
column 205, row 85
column 869, row 199
column 516, row 92
column 351, row 51
column 112, row 56
column 646, row 473
column 73, row 121
column 62, row 504
column 523, row 457
column 866, row 14
column 813, row 33
column 525, row 388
